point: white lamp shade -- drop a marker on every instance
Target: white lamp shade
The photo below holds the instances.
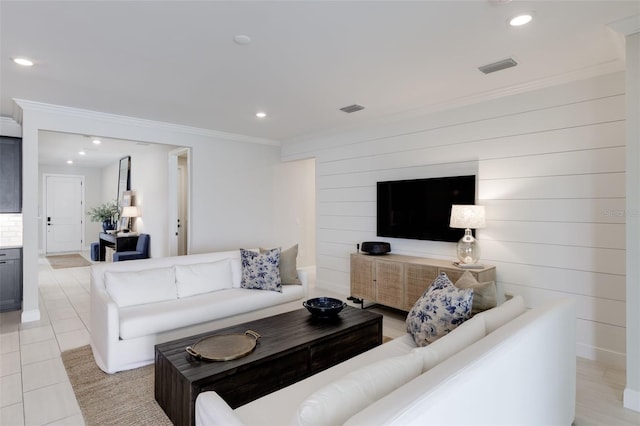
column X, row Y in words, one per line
column 467, row 216
column 130, row 211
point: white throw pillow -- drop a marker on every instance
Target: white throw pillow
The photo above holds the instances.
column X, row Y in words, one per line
column 201, row 278
column 140, row 287
column 338, row 401
column 236, row 272
column 496, row 317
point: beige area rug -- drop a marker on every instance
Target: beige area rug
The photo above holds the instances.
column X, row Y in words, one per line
column 124, row 398
column 67, row 261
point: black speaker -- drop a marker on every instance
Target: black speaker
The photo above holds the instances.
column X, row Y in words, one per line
column 376, row 247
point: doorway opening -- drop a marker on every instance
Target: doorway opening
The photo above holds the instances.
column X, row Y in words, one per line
column 179, row 202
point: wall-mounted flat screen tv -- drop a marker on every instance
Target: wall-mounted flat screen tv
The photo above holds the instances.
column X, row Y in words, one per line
column 420, row 209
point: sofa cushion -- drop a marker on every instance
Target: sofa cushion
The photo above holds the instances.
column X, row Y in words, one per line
column 465, row 335
column 439, row 310
column 498, row 316
column 141, row 287
column 288, row 266
column 261, row 271
column 152, row 318
column 484, row 294
column 198, row 278
column 338, row 401
column 281, row 405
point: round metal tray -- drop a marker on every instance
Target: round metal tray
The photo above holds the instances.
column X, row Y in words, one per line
column 224, row 347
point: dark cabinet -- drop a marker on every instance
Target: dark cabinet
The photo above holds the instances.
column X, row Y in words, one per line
column 10, row 175
column 10, row 279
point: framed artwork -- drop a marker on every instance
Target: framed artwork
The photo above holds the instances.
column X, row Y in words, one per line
column 124, row 179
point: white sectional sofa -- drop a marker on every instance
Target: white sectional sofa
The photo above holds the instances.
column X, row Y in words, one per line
column 505, row 366
column 138, row 304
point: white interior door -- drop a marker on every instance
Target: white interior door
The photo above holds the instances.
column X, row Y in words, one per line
column 179, row 201
column 64, row 211
column 183, row 222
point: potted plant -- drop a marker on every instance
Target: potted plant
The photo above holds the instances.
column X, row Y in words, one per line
column 107, row 213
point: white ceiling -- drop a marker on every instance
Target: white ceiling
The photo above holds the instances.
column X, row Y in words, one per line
column 176, row 61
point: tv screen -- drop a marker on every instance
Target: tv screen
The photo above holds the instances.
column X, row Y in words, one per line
column 420, row 209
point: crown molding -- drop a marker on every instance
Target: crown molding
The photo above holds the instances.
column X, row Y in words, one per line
column 626, row 26
column 26, row 105
column 9, row 127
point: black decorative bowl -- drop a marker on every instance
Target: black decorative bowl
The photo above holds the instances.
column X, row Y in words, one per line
column 324, row 307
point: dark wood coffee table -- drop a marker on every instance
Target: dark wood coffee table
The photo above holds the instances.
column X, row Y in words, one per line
column 293, row 346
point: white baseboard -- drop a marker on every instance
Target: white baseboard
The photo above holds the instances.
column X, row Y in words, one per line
column 614, row 359
column 632, row 399
column 30, row 315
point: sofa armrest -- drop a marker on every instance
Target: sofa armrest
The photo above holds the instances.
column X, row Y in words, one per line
column 211, row 410
column 104, row 325
column 304, row 279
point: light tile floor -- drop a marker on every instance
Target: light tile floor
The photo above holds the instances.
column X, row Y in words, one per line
column 34, row 387
column 35, row 390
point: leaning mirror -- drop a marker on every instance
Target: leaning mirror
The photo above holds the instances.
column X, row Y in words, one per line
column 124, row 178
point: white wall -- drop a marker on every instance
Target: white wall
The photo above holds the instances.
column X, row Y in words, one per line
column 233, row 196
column 551, row 172
column 632, row 390
column 109, row 184
column 295, row 208
column 149, row 182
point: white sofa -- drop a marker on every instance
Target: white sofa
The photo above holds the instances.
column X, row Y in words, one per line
column 505, row 366
column 138, row 304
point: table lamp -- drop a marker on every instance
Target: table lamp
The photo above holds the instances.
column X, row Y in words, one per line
column 130, row 212
column 467, row 217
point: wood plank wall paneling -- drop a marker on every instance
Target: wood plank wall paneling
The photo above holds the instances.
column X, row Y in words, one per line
column 551, row 172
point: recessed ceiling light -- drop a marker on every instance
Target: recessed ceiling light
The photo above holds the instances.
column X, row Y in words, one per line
column 520, row 20
column 96, row 141
column 261, row 114
column 23, row 61
column 82, row 153
column 242, row 39
column 69, row 161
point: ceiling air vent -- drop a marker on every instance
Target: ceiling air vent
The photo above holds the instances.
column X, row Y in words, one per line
column 497, row 66
column 352, row 108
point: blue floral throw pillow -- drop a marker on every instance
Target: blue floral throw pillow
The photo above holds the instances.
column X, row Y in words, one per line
column 261, row 270
column 439, row 310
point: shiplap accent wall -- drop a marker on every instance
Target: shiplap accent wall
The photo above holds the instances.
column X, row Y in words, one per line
column 550, row 169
